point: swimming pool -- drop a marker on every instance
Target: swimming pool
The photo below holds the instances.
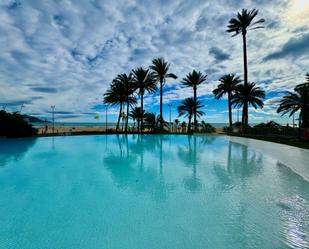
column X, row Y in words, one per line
column 150, row 191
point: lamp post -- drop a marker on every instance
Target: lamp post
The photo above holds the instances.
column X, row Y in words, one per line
column 53, row 117
column 170, row 109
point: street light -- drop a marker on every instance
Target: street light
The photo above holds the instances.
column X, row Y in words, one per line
column 53, row 117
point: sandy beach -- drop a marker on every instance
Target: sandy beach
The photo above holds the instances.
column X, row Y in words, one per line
column 65, row 130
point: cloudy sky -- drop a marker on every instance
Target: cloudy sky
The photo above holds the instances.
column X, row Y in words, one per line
column 66, row 52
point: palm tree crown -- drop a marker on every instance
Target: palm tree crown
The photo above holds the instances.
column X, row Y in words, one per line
column 137, row 115
column 128, row 88
column 193, row 80
column 160, row 72
column 152, row 122
column 115, row 95
column 188, row 107
column 297, row 101
column 243, row 21
column 145, row 82
column 250, row 94
column 228, row 84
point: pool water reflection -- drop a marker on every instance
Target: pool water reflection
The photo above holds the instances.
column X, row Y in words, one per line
column 148, row 191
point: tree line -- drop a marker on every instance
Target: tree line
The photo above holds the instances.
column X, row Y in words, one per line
column 125, row 88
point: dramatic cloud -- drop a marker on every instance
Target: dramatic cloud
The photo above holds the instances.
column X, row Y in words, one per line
column 295, row 47
column 66, row 52
column 219, row 54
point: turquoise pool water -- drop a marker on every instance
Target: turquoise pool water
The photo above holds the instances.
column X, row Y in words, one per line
column 149, row 192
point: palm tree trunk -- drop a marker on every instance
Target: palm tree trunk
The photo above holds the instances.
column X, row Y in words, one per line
column 138, row 122
column 245, row 112
column 230, row 109
column 246, row 121
column 189, row 124
column 161, row 104
column 195, row 100
column 142, row 114
column 127, row 120
column 120, row 111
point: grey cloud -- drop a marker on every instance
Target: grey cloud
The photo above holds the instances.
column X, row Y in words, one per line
column 218, row 54
column 44, row 89
column 21, row 102
column 293, row 48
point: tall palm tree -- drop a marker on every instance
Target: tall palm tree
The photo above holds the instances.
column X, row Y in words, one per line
column 145, row 82
column 188, row 108
column 138, row 115
column 115, row 96
column 249, row 94
column 228, row 84
column 193, row 80
column 126, row 81
column 160, row 69
column 297, row 101
column 240, row 25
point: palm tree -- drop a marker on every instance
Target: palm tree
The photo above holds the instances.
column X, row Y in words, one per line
column 153, row 122
column 160, row 69
column 193, row 80
column 126, row 81
column 240, row 25
column 297, row 101
column 137, row 114
column 249, row 94
column 145, row 82
column 228, row 84
column 115, row 96
column 183, row 126
column 176, row 121
column 188, row 108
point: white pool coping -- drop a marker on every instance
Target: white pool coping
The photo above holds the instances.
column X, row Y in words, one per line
column 296, row 159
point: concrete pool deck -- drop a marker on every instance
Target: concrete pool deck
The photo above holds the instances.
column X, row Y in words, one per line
column 296, row 159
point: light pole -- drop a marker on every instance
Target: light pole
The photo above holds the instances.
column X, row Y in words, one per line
column 170, row 109
column 237, row 115
column 53, row 117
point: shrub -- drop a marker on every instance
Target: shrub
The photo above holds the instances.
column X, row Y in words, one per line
column 207, row 128
column 12, row 125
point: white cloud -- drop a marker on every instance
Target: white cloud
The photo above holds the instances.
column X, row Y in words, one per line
column 78, row 47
